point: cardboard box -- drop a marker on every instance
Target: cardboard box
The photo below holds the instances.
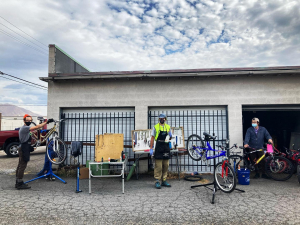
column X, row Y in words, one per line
column 84, row 173
column 108, row 146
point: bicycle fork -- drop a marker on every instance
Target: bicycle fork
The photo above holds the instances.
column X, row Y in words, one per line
column 223, row 166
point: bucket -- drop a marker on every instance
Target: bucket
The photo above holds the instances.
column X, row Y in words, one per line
column 244, row 176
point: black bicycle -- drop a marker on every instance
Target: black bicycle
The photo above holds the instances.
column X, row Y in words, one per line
column 276, row 167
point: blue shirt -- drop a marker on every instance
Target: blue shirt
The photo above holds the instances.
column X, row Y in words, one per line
column 256, row 139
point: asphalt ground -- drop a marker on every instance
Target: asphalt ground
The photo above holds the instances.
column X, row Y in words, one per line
column 53, row 202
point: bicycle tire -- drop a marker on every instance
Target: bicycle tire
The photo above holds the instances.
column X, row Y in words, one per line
column 57, row 156
column 227, row 182
column 193, row 177
column 235, row 161
column 279, row 168
column 194, row 139
column 298, row 173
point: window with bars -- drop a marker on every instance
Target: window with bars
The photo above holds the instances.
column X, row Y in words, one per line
column 194, row 121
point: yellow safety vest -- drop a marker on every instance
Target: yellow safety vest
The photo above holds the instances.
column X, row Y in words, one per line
column 159, row 128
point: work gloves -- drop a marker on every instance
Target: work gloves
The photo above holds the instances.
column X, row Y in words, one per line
column 50, row 121
column 151, row 151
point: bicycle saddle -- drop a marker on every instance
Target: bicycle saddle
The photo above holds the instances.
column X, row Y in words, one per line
column 209, row 136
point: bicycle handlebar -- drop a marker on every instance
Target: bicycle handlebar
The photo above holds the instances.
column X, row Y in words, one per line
column 58, row 121
column 254, row 150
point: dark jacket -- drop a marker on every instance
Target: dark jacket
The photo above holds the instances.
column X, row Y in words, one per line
column 256, row 140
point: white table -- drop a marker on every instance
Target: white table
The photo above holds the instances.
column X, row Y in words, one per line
column 122, row 163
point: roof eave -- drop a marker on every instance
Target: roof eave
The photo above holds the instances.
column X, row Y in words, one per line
column 81, row 76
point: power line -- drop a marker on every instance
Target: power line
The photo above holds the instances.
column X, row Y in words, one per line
column 23, row 37
column 1, row 73
column 23, row 31
column 23, row 83
column 21, row 105
column 22, row 42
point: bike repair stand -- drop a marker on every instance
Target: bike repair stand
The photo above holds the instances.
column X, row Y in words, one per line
column 77, row 180
column 215, row 188
column 49, row 173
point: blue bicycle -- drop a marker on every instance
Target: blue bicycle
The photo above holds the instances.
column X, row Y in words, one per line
column 223, row 174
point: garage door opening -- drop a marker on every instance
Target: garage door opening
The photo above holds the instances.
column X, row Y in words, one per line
column 282, row 122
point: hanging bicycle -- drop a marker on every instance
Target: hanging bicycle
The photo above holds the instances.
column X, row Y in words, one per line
column 223, row 173
column 56, row 149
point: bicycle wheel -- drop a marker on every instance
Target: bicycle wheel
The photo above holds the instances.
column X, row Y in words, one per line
column 298, row 173
column 194, row 145
column 279, row 168
column 225, row 177
column 56, row 151
column 235, row 161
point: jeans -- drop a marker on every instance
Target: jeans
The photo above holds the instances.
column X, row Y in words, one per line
column 21, row 166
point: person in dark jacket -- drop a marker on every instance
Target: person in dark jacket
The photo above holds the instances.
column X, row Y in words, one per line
column 26, row 148
column 255, row 138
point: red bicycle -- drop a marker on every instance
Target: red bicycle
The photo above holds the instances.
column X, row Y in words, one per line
column 294, row 157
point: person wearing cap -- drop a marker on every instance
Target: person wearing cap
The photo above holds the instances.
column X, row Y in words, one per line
column 26, row 148
column 255, row 138
column 160, row 134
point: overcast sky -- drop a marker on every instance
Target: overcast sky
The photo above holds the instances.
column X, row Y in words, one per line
column 112, row 35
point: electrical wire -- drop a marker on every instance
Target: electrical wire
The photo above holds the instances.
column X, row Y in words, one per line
column 22, row 42
column 23, row 31
column 1, row 73
column 23, row 83
column 23, row 37
column 21, row 105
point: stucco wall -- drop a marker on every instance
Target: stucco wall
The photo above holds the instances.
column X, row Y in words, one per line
column 141, row 94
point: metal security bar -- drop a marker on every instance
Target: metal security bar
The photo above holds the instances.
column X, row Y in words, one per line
column 85, row 126
column 214, row 121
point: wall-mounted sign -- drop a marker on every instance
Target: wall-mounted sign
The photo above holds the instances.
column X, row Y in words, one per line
column 141, row 139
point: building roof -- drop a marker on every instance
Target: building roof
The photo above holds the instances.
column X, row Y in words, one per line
column 247, row 71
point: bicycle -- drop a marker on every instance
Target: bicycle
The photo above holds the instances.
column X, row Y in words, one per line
column 276, row 167
column 56, row 149
column 223, row 173
column 294, row 157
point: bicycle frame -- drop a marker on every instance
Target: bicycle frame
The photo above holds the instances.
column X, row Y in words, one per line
column 249, row 164
column 205, row 150
column 42, row 138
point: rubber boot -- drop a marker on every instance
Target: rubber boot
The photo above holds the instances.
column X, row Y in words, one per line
column 265, row 176
column 166, row 184
column 21, row 185
column 157, row 185
column 256, row 176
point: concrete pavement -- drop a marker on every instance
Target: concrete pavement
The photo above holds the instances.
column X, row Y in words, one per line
column 52, row 202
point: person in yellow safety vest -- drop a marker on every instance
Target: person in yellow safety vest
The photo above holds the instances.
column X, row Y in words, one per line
column 162, row 151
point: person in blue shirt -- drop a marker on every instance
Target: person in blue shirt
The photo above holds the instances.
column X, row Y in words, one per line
column 160, row 133
column 255, row 138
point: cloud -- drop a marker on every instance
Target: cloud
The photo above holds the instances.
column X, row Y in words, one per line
column 111, row 35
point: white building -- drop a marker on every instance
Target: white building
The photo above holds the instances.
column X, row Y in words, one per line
column 220, row 101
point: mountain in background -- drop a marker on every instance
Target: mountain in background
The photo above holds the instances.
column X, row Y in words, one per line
column 12, row 110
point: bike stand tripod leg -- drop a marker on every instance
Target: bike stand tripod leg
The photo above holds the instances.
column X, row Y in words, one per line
column 49, row 173
column 237, row 189
column 215, row 189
